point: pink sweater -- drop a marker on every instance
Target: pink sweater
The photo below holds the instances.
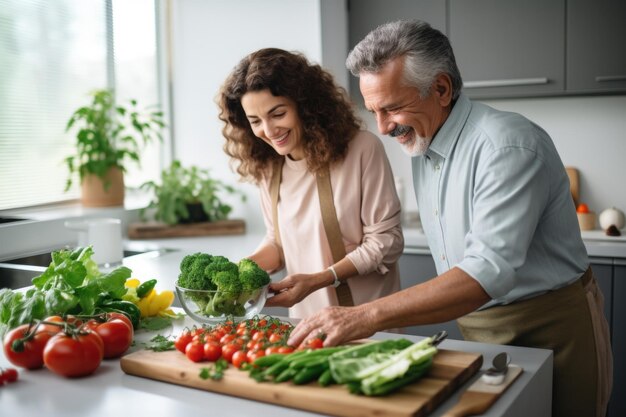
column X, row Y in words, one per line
column 368, row 210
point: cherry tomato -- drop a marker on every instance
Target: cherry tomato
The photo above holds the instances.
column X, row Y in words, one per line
column 285, row 349
column 182, row 341
column 271, row 350
column 239, row 358
column 252, row 355
column 259, row 335
column 195, row 351
column 117, row 337
column 229, row 350
column 227, row 338
column 212, row 351
column 262, row 323
column 275, row 338
column 314, row 343
column 8, row 375
column 30, row 355
column 74, row 355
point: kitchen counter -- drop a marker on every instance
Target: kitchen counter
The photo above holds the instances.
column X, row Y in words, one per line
column 111, row 392
column 598, row 244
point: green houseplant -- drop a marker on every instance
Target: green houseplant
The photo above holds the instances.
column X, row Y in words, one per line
column 187, row 195
column 108, row 136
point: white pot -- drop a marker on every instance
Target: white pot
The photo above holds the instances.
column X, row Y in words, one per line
column 611, row 216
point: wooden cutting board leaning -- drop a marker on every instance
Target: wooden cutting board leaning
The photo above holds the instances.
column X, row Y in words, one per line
column 450, row 370
column 154, row 230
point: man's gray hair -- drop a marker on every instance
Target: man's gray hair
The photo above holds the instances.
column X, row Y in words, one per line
column 427, row 54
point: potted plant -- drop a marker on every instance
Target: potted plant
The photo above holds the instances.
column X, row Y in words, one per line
column 187, row 195
column 108, row 136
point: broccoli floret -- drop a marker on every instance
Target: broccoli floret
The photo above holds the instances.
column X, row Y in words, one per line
column 227, row 295
column 252, row 278
column 220, row 264
column 193, row 276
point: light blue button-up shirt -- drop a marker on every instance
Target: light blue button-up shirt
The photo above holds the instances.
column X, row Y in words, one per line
column 495, row 201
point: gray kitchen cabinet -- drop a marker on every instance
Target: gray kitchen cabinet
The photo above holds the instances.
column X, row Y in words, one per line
column 617, row 405
column 366, row 15
column 417, row 266
column 596, row 46
column 511, row 48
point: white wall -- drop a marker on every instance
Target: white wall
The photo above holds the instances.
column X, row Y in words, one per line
column 589, row 133
column 210, row 37
column 208, row 40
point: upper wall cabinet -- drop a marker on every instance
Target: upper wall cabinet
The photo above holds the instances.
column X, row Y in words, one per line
column 596, row 46
column 366, row 15
column 509, row 48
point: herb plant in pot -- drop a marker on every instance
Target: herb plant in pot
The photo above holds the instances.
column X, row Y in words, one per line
column 108, row 136
column 188, row 195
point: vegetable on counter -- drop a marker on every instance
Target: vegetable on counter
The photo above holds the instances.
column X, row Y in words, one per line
column 150, row 302
column 230, row 285
column 72, row 284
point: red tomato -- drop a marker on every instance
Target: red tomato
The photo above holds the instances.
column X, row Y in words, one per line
column 30, row 355
column 121, row 316
column 74, row 355
column 582, row 208
column 117, row 337
column 253, row 355
column 285, row 349
column 212, row 351
column 229, row 350
column 239, row 358
column 8, row 375
column 227, row 338
column 271, row 350
column 182, row 341
column 275, row 338
column 259, row 335
column 314, row 343
column 262, row 323
column 194, row 351
column 52, row 329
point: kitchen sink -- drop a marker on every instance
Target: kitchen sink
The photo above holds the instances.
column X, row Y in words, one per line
column 11, row 219
column 19, row 272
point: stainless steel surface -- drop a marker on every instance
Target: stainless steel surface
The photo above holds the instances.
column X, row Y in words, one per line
column 506, row 83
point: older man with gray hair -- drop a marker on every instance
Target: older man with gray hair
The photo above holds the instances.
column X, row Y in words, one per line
column 496, row 207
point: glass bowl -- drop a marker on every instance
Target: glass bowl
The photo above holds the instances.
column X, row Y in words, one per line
column 216, row 306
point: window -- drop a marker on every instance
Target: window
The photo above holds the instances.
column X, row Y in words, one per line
column 52, row 55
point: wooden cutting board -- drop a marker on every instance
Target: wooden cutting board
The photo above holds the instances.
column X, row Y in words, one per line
column 450, row 369
column 153, row 230
column 574, row 184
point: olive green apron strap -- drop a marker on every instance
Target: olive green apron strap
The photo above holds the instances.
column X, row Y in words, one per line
column 277, row 172
column 333, row 232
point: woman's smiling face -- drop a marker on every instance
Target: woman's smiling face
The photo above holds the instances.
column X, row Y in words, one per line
column 275, row 120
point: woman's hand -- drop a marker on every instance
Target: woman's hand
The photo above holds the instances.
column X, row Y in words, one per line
column 295, row 288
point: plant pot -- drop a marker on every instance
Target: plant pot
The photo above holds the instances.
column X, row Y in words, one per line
column 94, row 193
column 196, row 214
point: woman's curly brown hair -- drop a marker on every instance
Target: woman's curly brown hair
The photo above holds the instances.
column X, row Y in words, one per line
column 328, row 121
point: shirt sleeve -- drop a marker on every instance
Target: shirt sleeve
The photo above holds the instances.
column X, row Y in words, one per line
column 510, row 194
column 383, row 241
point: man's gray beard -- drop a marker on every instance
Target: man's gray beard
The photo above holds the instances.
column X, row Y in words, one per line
column 417, row 146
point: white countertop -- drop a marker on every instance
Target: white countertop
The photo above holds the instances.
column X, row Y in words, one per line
column 598, row 244
column 111, row 392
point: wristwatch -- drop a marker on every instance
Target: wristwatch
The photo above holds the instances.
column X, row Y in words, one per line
column 336, row 282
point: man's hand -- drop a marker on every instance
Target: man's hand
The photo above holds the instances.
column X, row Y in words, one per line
column 339, row 324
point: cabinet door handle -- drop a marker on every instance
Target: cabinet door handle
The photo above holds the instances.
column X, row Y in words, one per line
column 415, row 251
column 609, row 78
column 506, row 83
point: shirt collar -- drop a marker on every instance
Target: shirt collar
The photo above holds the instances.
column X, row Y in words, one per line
column 449, row 133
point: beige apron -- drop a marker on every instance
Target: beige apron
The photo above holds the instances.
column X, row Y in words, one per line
column 329, row 218
column 570, row 321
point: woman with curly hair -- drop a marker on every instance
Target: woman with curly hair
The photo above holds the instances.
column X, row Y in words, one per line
column 327, row 191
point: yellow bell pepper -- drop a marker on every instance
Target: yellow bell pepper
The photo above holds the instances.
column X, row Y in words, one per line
column 153, row 303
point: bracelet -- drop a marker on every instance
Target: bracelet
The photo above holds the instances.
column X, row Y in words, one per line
column 336, row 282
